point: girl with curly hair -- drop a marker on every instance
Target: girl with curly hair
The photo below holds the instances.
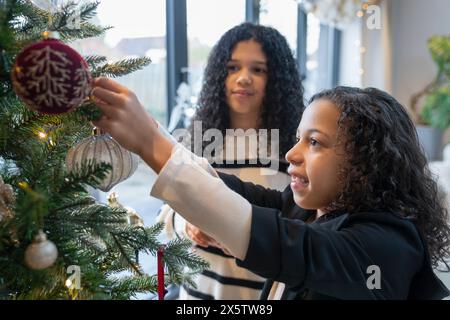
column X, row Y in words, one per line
column 269, row 62
column 250, row 83
column 372, row 226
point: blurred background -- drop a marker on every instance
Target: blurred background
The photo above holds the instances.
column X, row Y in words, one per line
column 384, row 44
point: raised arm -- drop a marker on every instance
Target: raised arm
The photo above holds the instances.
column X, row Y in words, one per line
column 127, row 121
column 227, row 220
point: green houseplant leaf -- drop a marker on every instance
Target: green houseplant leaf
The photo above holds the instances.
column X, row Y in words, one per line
column 436, row 111
column 439, row 47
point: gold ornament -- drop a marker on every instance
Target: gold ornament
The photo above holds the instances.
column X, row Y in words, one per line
column 51, row 35
column 134, row 219
column 113, row 200
column 6, row 200
column 103, row 148
column 42, row 253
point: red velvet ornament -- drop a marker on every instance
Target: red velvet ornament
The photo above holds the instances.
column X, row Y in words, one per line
column 50, row 77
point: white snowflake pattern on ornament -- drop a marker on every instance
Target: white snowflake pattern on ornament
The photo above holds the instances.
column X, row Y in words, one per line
column 80, row 90
column 49, row 76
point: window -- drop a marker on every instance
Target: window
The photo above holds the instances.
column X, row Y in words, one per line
column 207, row 21
column 319, row 48
column 281, row 15
column 138, row 30
column 322, row 56
column 311, row 83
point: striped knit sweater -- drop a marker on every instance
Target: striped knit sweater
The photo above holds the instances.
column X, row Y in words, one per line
column 224, row 279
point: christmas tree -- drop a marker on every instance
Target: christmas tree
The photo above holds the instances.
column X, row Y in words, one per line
column 49, row 224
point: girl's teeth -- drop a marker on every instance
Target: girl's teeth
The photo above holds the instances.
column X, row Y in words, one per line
column 299, row 179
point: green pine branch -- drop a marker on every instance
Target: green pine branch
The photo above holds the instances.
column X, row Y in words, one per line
column 93, row 60
column 122, row 67
column 71, row 22
column 122, row 287
column 33, row 148
column 89, row 111
column 90, row 173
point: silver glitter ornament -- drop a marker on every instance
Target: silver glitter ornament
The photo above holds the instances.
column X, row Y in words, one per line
column 103, row 148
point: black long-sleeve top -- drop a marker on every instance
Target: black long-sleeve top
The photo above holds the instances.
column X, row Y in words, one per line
column 335, row 256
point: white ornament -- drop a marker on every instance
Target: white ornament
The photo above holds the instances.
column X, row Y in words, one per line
column 42, row 253
column 103, row 148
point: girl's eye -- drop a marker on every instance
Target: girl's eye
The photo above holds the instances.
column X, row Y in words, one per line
column 313, row 142
column 259, row 70
column 232, row 68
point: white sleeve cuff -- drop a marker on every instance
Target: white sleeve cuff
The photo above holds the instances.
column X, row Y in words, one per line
column 174, row 224
column 192, row 188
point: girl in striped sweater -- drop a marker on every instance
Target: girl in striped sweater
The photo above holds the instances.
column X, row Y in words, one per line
column 251, row 83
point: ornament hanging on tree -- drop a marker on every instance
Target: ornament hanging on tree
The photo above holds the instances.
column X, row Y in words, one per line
column 113, row 200
column 42, row 253
column 103, row 148
column 134, row 219
column 6, row 200
column 51, row 77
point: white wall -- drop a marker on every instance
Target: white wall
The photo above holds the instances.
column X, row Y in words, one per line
column 413, row 22
column 410, row 23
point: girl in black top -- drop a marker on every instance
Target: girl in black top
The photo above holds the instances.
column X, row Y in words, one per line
column 358, row 168
column 378, row 216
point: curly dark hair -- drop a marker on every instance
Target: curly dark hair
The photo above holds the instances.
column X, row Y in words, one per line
column 387, row 169
column 283, row 103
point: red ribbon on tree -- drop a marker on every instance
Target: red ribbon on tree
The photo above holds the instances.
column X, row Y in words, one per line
column 161, row 288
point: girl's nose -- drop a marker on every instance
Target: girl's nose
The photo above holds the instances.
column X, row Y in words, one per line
column 244, row 77
column 294, row 155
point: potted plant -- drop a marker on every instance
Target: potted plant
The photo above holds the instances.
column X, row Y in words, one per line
column 434, row 116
